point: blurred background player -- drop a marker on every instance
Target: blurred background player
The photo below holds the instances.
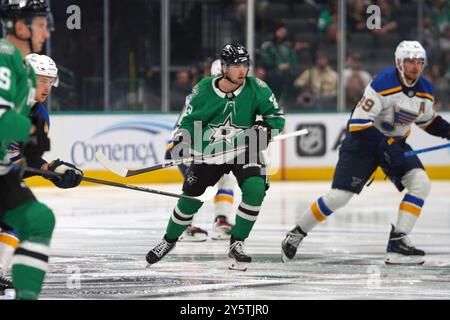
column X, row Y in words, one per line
column 376, row 136
column 224, row 199
column 25, row 24
column 226, row 106
column 46, row 78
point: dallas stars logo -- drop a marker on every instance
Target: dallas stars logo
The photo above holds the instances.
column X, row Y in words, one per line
column 225, row 131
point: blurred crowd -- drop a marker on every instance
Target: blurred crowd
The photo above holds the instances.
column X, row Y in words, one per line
column 299, row 59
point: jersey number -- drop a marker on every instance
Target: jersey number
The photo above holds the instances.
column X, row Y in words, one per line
column 366, row 104
column 5, row 78
column 274, row 101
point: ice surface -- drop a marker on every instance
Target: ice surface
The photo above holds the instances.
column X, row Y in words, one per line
column 103, row 234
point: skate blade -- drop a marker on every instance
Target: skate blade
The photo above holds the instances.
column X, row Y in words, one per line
column 8, row 294
column 400, row 259
column 220, row 236
column 284, row 258
column 193, row 239
column 236, row 265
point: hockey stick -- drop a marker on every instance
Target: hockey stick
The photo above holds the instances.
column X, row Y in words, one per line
column 413, row 152
column 125, row 172
column 209, row 193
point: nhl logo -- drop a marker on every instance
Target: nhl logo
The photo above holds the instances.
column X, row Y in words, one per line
column 410, row 93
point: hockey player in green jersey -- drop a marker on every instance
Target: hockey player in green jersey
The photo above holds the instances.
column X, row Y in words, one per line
column 222, row 113
column 25, row 23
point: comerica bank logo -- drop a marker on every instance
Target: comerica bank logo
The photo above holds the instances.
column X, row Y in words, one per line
column 139, row 141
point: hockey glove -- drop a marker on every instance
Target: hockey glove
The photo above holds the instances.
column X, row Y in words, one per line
column 263, row 133
column 393, row 152
column 71, row 175
column 37, row 143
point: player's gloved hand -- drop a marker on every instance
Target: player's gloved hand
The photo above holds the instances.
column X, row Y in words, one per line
column 263, row 133
column 393, row 152
column 37, row 143
column 71, row 175
column 169, row 148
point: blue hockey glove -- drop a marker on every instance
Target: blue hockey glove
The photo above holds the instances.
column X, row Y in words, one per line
column 71, row 175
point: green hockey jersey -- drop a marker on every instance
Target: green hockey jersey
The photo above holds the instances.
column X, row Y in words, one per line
column 216, row 120
column 17, row 93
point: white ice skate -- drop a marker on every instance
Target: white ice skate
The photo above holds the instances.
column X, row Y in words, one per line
column 221, row 229
column 193, row 234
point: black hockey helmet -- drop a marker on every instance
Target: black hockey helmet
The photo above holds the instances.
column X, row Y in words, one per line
column 234, row 53
column 14, row 10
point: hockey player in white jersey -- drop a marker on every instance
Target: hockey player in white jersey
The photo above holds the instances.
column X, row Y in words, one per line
column 224, row 199
column 376, row 136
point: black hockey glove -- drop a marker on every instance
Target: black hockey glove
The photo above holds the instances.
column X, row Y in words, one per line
column 393, row 152
column 263, row 133
column 71, row 175
column 37, row 143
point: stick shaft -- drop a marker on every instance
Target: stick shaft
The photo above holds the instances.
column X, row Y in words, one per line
column 113, row 184
column 413, row 152
column 124, row 172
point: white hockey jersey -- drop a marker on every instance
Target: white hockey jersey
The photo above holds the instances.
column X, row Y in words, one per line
column 392, row 107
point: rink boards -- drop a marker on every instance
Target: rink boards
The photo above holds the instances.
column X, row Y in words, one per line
column 139, row 140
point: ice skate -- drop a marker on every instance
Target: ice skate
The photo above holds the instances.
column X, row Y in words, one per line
column 7, row 291
column 193, row 234
column 239, row 260
column 290, row 244
column 158, row 252
column 401, row 252
column 221, row 229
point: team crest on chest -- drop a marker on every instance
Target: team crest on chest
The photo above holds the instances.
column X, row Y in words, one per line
column 225, row 131
column 404, row 117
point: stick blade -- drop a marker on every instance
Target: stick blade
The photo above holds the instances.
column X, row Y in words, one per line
column 209, row 193
column 110, row 165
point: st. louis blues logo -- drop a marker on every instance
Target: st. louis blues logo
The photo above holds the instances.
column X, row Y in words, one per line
column 404, row 117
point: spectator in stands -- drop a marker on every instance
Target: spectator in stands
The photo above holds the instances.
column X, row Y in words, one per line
column 260, row 73
column 430, row 40
column 444, row 41
column 440, row 15
column 355, row 79
column 327, row 23
column 278, row 57
column 262, row 8
column 357, row 16
column 354, row 67
column 388, row 18
column 320, row 81
column 181, row 88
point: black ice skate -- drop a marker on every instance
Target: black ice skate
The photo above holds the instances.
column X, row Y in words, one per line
column 290, row 244
column 401, row 252
column 7, row 290
column 238, row 258
column 158, row 252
